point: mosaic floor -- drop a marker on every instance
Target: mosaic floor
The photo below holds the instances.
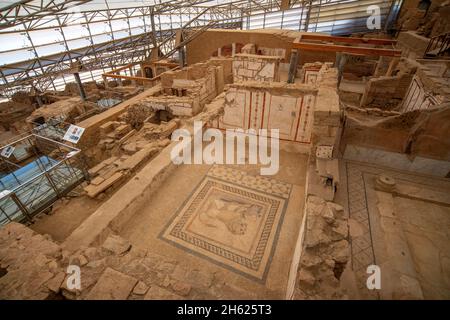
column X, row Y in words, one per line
column 362, row 208
column 232, row 219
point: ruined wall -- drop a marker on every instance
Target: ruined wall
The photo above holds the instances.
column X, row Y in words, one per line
column 185, row 92
column 16, row 110
column 254, row 67
column 428, row 22
column 91, row 136
column 202, row 47
column 428, row 89
column 195, row 80
column 326, row 251
column 388, row 92
column 177, row 106
column 326, row 125
column 417, row 133
column 323, row 249
column 227, row 69
column 412, row 44
column 66, row 110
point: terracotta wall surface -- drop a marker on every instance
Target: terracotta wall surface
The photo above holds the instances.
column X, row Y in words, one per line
column 206, row 44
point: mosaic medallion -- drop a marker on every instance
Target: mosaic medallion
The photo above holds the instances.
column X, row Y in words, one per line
column 232, row 219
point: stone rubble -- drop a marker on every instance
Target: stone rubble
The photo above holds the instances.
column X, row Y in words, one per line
column 326, row 251
column 115, row 270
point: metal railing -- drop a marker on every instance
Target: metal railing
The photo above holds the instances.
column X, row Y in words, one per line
column 438, row 46
column 55, row 169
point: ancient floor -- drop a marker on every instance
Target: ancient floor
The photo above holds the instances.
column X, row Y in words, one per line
column 227, row 220
column 407, row 233
column 66, row 216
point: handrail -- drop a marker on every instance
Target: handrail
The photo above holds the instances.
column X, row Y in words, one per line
column 441, row 43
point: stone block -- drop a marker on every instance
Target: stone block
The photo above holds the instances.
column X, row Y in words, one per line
column 116, row 245
column 123, row 129
column 94, row 190
column 106, row 127
column 97, row 180
column 140, row 289
column 158, row 293
column 112, row 285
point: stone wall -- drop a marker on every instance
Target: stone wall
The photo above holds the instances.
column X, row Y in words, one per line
column 227, row 66
column 327, row 115
column 387, row 92
column 255, row 67
column 267, row 41
column 325, row 253
column 415, row 133
column 186, row 91
column 322, row 249
column 429, row 23
column 91, row 136
column 412, row 44
column 263, row 105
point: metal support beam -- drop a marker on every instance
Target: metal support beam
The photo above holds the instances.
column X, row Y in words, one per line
column 295, row 55
column 341, row 60
column 152, row 22
column 76, row 75
column 39, row 101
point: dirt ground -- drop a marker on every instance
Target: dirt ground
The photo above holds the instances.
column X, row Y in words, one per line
column 67, row 214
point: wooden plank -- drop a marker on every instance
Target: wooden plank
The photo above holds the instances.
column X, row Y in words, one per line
column 348, row 39
column 117, row 76
column 347, row 49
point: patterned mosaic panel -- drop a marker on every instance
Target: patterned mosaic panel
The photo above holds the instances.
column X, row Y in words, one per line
column 232, row 219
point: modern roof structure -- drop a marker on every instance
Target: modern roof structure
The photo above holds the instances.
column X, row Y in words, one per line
column 42, row 39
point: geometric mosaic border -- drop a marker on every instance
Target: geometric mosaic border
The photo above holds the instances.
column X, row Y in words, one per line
column 256, row 266
column 259, row 183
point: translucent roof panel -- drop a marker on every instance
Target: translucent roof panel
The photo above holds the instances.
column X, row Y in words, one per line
column 91, row 5
column 115, row 4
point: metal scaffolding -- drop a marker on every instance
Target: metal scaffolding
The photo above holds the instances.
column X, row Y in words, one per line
column 110, row 37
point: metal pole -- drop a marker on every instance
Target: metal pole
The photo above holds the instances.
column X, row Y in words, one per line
column 293, row 66
column 80, row 86
column 4, row 212
column 152, row 21
column 20, row 205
